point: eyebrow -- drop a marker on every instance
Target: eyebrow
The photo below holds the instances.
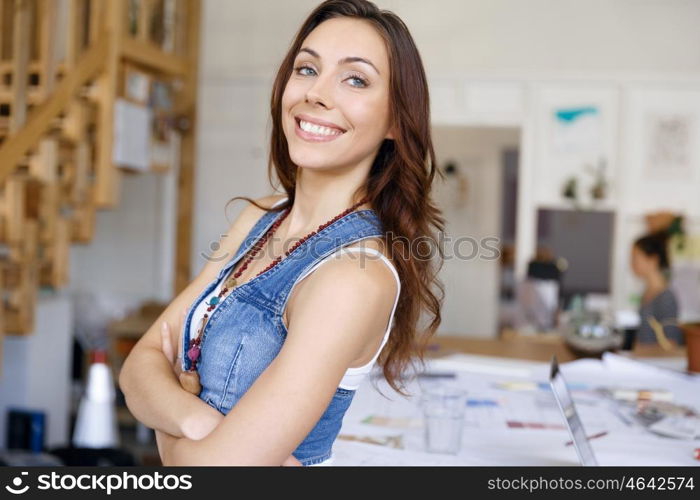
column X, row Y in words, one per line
column 344, row 60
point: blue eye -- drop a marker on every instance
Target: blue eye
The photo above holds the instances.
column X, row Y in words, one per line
column 299, row 68
column 359, row 79
column 362, row 81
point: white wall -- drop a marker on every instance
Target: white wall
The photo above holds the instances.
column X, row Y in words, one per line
column 131, row 252
column 472, row 282
column 248, row 38
column 36, row 369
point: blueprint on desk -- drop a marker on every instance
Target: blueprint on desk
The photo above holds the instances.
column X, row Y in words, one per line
column 512, row 419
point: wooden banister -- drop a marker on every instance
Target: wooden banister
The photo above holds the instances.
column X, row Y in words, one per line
column 16, row 146
column 57, row 127
column 149, row 55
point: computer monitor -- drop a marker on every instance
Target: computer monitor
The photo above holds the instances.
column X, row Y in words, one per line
column 584, row 238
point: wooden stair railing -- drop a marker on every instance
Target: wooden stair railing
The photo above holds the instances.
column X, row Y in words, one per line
column 20, row 144
column 57, row 126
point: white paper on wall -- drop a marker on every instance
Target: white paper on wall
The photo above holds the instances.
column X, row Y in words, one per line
column 132, row 135
column 577, row 130
column 669, row 145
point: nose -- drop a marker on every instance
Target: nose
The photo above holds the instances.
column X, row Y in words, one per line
column 319, row 93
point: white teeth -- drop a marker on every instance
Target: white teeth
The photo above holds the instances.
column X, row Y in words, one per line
column 317, row 129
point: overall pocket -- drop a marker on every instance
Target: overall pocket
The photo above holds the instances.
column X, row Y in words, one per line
column 226, row 400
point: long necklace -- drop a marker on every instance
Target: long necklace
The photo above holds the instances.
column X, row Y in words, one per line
column 189, row 379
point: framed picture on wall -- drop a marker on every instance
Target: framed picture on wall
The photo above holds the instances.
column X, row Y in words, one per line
column 661, row 145
column 669, row 144
column 576, row 139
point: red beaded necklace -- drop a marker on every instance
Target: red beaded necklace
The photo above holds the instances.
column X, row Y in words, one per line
column 190, row 379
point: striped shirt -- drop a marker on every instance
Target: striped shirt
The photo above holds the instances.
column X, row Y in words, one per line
column 664, row 308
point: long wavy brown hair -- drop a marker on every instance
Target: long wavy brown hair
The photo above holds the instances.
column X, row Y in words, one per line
column 398, row 185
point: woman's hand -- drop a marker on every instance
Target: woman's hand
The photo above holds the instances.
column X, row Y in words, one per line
column 198, row 425
column 189, row 380
column 201, row 423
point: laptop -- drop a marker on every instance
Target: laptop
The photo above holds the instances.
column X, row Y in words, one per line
column 573, row 422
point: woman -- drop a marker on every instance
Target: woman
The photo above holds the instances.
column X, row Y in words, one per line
column 269, row 372
column 658, row 310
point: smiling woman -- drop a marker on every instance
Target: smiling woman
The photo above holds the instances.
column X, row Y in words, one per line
column 275, row 342
column 354, row 117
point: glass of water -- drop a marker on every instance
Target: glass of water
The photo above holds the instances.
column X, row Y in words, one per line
column 443, row 413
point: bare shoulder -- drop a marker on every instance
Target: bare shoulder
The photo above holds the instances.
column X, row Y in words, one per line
column 350, row 296
column 361, row 268
column 251, row 211
column 361, row 272
column 270, row 200
column 356, row 269
column 360, row 279
column 380, row 268
column 231, row 240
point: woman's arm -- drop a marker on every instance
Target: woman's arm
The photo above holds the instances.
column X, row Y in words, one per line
column 152, row 391
column 344, row 306
column 165, row 441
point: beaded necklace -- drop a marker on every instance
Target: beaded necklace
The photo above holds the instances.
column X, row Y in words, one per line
column 189, row 379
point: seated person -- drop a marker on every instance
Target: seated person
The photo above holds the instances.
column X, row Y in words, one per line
column 658, row 309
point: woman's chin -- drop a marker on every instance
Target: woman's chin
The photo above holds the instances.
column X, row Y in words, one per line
column 311, row 162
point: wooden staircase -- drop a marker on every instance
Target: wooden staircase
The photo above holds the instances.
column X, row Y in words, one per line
column 64, row 65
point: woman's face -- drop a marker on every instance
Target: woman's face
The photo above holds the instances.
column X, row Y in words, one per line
column 330, row 85
column 642, row 264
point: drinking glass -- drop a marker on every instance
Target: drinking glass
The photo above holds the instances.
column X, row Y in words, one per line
column 443, row 413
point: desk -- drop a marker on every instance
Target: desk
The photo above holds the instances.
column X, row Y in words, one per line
column 488, row 437
column 529, row 347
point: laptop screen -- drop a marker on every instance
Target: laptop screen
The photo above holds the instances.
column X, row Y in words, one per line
column 573, row 421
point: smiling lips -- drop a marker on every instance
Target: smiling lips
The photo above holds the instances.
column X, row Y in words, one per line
column 314, row 131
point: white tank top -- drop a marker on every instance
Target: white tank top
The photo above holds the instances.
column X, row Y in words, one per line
column 353, row 376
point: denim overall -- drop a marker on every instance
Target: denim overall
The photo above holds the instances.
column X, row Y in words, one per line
column 245, row 331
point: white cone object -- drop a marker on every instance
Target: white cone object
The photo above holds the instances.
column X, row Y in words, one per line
column 96, row 424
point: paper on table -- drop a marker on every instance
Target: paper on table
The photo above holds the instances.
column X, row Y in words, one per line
column 395, row 422
column 624, row 364
column 362, row 454
column 487, row 441
column 681, row 427
column 395, row 441
column 675, row 364
column 485, row 365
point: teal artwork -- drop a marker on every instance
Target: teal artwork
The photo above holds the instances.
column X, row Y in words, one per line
column 572, row 114
column 577, row 130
